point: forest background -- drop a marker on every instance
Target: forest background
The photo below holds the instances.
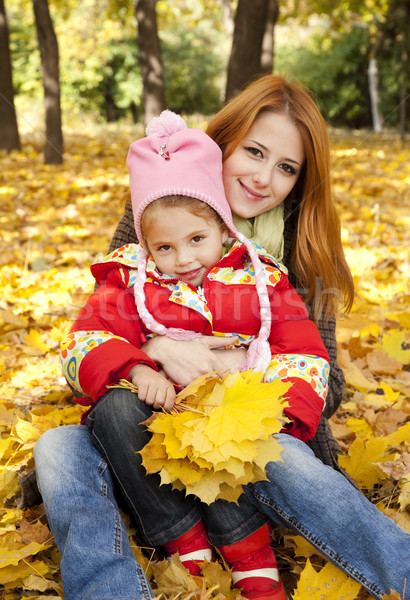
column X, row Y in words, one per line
column 56, row 219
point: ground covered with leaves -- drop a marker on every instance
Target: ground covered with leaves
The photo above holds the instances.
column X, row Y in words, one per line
column 57, row 220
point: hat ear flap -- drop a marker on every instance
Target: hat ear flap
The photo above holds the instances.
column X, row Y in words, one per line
column 258, row 356
column 139, row 296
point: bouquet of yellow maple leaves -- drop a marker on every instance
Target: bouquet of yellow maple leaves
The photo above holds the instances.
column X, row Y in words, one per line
column 219, row 436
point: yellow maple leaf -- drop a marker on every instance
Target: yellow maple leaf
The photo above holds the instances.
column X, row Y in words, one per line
column 68, row 415
column 6, row 448
column 243, row 411
column 233, row 465
column 301, row 547
column 361, row 427
column 329, row 583
column 221, row 485
column 402, row 317
column 371, row 329
column 13, row 555
column 25, row 432
column 172, row 579
column 154, row 454
column 34, row 339
column 404, row 496
column 207, row 488
column 394, row 344
column 392, row 596
column 9, row 516
column 215, row 575
column 173, row 446
column 12, row 573
column 213, row 457
column 230, row 479
column 191, row 433
column 246, row 450
column 226, row 492
column 379, row 362
column 354, row 376
column 9, row 485
column 210, row 400
column 383, row 396
column 156, row 451
column 267, row 451
column 198, row 388
column 183, row 469
column 359, row 463
column 400, row 436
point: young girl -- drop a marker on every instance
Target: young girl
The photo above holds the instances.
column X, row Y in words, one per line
column 187, row 279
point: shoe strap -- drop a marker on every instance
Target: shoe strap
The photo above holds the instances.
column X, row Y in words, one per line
column 197, row 555
column 267, row 573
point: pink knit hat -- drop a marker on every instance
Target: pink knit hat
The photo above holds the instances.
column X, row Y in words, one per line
column 174, row 160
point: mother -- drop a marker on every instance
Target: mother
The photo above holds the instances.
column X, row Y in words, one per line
column 288, row 209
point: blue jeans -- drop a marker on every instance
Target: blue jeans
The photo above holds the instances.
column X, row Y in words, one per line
column 97, row 562
column 322, row 506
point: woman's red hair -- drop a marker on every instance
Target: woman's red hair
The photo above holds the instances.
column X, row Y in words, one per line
column 317, row 258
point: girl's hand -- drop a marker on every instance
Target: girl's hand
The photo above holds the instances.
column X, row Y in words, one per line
column 183, row 362
column 153, row 388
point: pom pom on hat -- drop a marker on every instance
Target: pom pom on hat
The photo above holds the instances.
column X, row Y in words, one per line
column 166, row 124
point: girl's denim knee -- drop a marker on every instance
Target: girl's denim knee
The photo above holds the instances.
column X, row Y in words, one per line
column 158, row 512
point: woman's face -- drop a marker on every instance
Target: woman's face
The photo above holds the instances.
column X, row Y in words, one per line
column 265, row 165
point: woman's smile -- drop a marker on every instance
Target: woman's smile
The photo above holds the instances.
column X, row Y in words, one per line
column 250, row 193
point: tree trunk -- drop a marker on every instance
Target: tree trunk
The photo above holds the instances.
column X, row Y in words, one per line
column 404, row 20
column 373, row 78
column 228, row 16
column 403, row 94
column 245, row 59
column 47, row 41
column 9, row 138
column 150, row 58
column 267, row 54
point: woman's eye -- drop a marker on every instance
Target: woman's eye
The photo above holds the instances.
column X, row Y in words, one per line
column 197, row 238
column 254, row 151
column 163, row 248
column 288, row 169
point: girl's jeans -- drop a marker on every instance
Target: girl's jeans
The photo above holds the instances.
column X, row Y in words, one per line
column 302, row 494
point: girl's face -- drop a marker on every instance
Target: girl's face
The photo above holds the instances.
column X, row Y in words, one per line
column 183, row 245
column 264, row 167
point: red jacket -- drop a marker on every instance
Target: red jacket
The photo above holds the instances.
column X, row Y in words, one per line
column 106, row 338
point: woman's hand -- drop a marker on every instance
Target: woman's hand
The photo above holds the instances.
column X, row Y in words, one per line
column 153, row 388
column 232, row 359
column 183, row 362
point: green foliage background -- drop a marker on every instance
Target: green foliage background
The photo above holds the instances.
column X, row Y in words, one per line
column 100, row 74
column 334, row 66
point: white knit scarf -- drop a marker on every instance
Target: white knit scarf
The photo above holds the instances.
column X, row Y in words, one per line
column 265, row 229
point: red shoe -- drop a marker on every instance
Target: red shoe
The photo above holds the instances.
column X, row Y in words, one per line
column 193, row 548
column 254, row 567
